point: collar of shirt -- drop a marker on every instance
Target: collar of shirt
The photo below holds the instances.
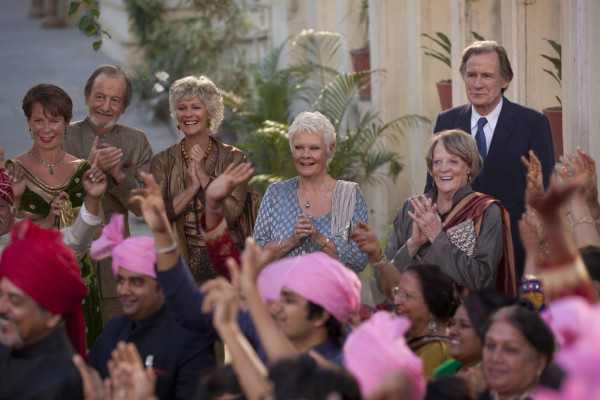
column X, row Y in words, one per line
column 492, row 120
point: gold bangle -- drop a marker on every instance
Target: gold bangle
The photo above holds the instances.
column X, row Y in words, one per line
column 379, row 257
column 583, row 220
column 380, row 263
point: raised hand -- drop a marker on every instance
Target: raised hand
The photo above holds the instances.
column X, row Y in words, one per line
column 225, row 183
column 366, row 239
column 535, row 183
column 548, row 206
column 254, row 260
column 151, row 204
column 17, row 180
column 591, row 187
column 222, row 299
column 94, row 181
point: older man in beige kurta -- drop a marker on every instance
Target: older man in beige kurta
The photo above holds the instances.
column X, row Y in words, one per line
column 107, row 94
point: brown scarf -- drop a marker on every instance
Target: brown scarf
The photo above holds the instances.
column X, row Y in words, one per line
column 472, row 207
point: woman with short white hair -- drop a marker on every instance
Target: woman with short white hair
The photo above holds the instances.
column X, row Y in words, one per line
column 312, row 212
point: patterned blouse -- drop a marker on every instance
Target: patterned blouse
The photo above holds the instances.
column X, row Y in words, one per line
column 278, row 215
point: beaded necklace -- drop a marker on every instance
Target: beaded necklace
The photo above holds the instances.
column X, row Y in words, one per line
column 185, row 154
column 47, row 165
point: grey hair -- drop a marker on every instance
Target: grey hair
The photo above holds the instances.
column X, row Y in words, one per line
column 487, row 46
column 458, row 143
column 202, row 87
column 315, row 123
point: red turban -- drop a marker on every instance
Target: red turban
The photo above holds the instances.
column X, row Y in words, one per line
column 42, row 266
column 6, row 191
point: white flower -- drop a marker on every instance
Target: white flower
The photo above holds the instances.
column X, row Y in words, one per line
column 161, row 76
column 158, row 88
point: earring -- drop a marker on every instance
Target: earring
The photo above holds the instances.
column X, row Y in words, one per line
column 432, row 324
column 65, row 137
column 469, row 178
column 208, row 123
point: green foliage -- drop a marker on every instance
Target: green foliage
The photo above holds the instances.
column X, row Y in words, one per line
column 206, row 42
column 444, row 53
column 556, row 63
column 313, row 80
column 88, row 21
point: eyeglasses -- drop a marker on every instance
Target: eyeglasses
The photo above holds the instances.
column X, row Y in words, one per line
column 402, row 295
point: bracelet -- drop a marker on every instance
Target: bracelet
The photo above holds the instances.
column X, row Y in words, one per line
column 163, row 250
column 381, row 262
column 379, row 257
column 279, row 246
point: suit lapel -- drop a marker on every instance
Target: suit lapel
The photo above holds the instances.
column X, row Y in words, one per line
column 504, row 129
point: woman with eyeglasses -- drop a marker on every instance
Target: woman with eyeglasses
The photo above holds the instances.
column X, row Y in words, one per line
column 425, row 296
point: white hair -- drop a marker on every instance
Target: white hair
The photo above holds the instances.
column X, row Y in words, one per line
column 315, row 123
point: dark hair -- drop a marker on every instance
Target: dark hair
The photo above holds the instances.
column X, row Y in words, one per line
column 450, row 388
column 53, row 100
column 531, row 326
column 487, row 46
column 219, row 381
column 437, row 290
column 113, row 71
column 299, row 377
column 335, row 329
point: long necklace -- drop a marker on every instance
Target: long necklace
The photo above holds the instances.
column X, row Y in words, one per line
column 47, row 165
column 185, row 154
column 307, row 204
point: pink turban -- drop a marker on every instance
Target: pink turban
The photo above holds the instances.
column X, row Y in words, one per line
column 42, row 266
column 378, row 348
column 271, row 277
column 6, row 190
column 136, row 254
column 326, row 282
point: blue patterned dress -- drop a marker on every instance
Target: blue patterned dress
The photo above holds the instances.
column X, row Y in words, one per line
column 278, row 214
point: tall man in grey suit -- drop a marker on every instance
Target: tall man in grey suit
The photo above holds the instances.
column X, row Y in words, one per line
column 504, row 131
column 123, row 153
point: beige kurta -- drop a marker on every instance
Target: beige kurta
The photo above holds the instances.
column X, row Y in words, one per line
column 137, row 155
column 169, row 169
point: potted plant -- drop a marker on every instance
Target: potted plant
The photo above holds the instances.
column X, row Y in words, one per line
column 444, row 54
column 554, row 114
column 361, row 58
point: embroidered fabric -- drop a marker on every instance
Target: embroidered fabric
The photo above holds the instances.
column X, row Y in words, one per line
column 463, row 237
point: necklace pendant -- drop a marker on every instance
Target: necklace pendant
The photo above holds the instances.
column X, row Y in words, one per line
column 307, row 205
column 51, row 171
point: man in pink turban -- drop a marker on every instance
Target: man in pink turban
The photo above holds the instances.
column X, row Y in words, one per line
column 41, row 291
column 178, row 356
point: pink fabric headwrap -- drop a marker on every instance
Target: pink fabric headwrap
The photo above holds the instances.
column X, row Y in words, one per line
column 575, row 324
column 378, row 348
column 271, row 277
column 42, row 266
column 135, row 253
column 326, row 282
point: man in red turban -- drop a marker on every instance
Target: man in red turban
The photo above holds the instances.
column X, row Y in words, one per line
column 41, row 321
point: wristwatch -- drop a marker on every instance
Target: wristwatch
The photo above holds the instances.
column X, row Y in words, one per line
column 325, row 243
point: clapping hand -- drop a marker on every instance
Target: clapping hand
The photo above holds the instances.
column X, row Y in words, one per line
column 304, row 228
column 427, row 219
column 128, row 378
column 197, row 156
column 17, row 180
column 225, row 183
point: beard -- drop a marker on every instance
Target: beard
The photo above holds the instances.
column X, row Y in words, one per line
column 13, row 341
column 106, row 125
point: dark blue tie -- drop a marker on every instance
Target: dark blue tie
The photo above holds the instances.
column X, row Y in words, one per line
column 480, row 138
